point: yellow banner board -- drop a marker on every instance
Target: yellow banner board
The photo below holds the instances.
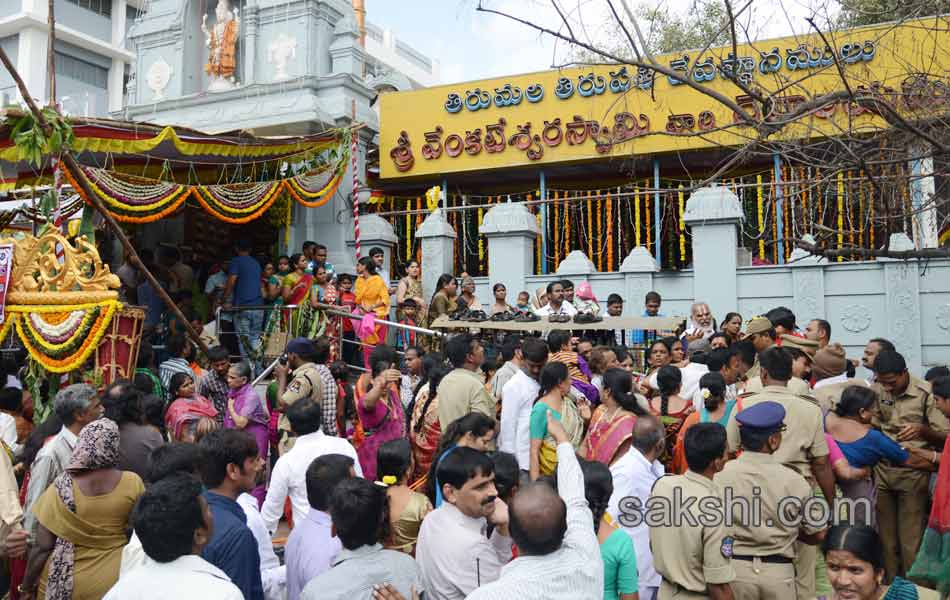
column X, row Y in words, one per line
column 597, row 112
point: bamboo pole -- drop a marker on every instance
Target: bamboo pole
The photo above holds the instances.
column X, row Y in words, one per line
column 69, row 162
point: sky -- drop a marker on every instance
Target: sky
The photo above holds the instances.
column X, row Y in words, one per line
column 473, row 45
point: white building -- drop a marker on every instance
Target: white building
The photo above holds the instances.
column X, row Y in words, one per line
column 92, row 54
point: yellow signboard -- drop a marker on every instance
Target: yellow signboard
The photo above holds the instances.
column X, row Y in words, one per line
column 596, row 112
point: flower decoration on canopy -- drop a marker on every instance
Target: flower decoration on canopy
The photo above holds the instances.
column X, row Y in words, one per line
column 61, row 338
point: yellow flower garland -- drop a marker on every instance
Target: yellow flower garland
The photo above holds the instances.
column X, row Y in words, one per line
column 76, row 359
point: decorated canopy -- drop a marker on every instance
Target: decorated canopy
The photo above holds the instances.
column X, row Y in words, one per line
column 143, row 172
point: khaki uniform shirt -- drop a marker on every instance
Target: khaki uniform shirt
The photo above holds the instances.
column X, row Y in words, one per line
column 305, row 384
column 690, row 555
column 828, row 396
column 770, row 533
column 754, row 371
column 803, row 441
column 462, row 392
column 797, row 386
column 915, row 405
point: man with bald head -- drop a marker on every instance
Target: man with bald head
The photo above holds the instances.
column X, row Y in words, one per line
column 558, row 553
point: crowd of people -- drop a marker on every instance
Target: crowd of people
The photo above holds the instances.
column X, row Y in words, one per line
column 484, row 466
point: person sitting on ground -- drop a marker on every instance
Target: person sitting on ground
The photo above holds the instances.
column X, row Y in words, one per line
column 312, row 545
column 174, row 523
column 557, row 547
column 454, row 555
column 358, row 510
column 407, row 508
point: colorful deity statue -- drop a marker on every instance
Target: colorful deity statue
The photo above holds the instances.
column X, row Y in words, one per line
column 221, row 40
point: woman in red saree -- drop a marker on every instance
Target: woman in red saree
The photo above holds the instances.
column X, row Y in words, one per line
column 670, row 408
column 372, row 296
column 296, row 284
column 185, row 415
column 611, row 427
column 425, row 431
column 378, row 408
column 933, row 557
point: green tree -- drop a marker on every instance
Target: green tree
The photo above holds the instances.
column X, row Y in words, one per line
column 855, row 13
column 704, row 24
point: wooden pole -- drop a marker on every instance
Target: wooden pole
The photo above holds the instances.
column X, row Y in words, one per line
column 69, row 162
column 51, row 55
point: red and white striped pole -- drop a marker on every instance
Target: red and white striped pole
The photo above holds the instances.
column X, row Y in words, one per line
column 354, row 140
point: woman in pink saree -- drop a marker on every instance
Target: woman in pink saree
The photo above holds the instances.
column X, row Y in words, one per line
column 188, row 410
column 611, row 426
column 379, row 408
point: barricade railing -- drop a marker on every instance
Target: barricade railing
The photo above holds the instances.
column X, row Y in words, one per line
column 285, row 315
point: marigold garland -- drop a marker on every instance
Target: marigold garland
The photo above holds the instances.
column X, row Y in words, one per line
column 134, row 199
column 67, row 355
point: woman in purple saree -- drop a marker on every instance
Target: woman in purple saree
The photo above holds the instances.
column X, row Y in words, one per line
column 246, row 411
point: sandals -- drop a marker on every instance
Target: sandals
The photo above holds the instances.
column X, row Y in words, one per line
column 502, row 317
column 476, row 316
column 586, row 318
column 559, row 319
column 526, row 317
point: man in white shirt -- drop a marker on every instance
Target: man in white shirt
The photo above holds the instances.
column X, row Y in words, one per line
column 11, row 403
column 174, row 523
column 289, row 476
column 558, row 551
column 517, row 399
column 273, row 574
column 634, row 474
column 556, row 304
column 454, row 552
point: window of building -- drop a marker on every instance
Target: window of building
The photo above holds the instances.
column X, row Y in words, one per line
column 100, row 7
column 80, row 70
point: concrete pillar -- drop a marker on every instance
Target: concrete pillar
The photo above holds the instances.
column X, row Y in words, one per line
column 510, row 230
column 575, row 263
column 32, row 42
column 712, row 213
column 922, row 190
column 808, row 284
column 249, row 23
column 638, row 269
column 438, row 245
column 376, row 231
column 902, row 294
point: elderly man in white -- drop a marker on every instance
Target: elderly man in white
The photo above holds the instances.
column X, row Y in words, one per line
column 634, row 474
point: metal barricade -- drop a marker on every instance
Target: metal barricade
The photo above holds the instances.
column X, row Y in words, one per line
column 285, row 315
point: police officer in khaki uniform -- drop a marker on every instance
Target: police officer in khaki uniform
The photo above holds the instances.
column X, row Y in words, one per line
column 829, row 369
column 796, row 384
column 803, row 448
column 306, row 383
column 760, row 332
column 693, row 558
column 763, row 550
column 906, row 413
